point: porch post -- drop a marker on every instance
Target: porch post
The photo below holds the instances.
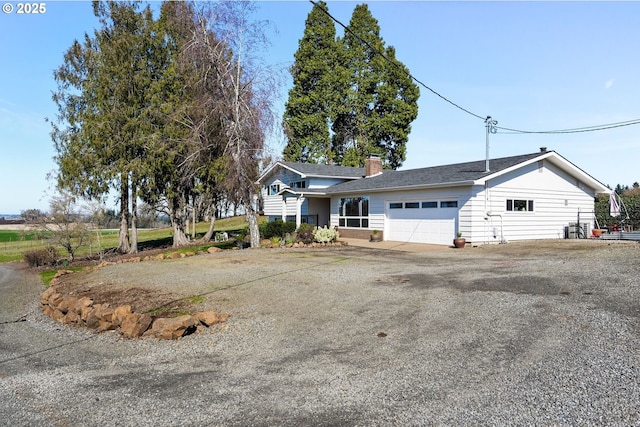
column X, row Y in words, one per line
column 299, row 202
column 284, row 208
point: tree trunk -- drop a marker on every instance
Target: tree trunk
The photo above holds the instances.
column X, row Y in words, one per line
column 134, row 218
column 123, row 244
column 193, row 217
column 209, row 234
column 176, row 215
column 254, row 231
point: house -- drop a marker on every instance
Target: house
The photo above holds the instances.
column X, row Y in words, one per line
column 532, row 196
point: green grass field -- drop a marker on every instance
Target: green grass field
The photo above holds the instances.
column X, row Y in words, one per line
column 13, row 243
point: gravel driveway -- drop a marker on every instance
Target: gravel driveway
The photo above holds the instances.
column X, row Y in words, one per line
column 516, row 334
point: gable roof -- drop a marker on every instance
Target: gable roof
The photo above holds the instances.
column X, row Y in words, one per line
column 469, row 173
column 317, row 171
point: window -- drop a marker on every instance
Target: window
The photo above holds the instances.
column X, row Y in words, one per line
column 449, row 204
column 273, row 189
column 519, row 205
column 429, row 205
column 412, row 205
column 298, row 184
column 354, row 212
column 395, row 205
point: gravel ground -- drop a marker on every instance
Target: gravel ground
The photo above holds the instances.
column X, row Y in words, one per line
column 517, row 334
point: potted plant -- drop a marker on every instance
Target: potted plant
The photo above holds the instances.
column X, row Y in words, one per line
column 459, row 241
column 375, row 236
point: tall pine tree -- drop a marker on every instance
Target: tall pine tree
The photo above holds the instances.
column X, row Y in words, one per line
column 352, row 89
column 308, row 110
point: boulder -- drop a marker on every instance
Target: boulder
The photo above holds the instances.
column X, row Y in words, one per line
column 66, row 303
column 207, row 318
column 48, row 311
column 81, row 304
column 56, row 314
column 103, row 312
column 173, row 328
column 55, row 299
column 173, row 255
column 159, row 257
column 71, row 318
column 61, row 273
column 106, row 326
column 134, row 325
column 214, row 249
column 44, row 297
column 89, row 317
column 119, row 314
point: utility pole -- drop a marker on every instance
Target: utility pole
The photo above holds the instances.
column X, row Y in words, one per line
column 490, row 124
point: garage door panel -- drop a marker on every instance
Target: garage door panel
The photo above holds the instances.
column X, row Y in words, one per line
column 435, row 226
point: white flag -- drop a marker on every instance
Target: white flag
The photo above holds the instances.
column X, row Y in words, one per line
column 614, row 207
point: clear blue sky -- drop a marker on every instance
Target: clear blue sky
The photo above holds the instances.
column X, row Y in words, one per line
column 530, row 65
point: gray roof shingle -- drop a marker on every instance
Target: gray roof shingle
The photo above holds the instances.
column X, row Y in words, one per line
column 436, row 175
column 311, row 169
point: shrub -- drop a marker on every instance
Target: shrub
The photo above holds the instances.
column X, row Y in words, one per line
column 325, row 235
column 275, row 240
column 43, row 256
column 305, row 233
column 276, row 228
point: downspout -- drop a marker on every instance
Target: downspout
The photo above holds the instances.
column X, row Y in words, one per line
column 491, row 214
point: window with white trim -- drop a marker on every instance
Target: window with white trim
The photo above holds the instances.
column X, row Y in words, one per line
column 298, row 184
column 354, row 212
column 519, row 205
column 273, row 189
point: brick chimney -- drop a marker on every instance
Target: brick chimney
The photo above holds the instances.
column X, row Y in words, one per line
column 373, row 165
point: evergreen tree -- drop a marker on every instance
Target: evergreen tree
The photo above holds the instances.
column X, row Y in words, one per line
column 102, row 97
column 380, row 101
column 308, row 110
column 352, row 90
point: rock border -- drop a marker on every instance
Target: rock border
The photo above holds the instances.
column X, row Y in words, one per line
column 74, row 311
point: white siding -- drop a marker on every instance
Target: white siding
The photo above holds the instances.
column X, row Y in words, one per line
column 320, row 183
column 558, row 200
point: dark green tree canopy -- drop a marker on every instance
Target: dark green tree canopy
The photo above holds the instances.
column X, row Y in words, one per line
column 169, row 111
column 357, row 93
column 308, row 110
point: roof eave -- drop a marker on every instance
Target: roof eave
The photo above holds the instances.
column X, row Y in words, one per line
column 406, row 187
column 560, row 162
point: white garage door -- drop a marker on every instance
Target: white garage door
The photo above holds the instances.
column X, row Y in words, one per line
column 421, row 221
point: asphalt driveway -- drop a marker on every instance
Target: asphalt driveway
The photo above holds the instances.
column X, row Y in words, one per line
column 515, row 334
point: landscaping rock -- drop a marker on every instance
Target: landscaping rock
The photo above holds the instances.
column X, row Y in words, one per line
column 44, row 297
column 134, row 325
column 120, row 313
column 173, row 328
column 214, row 249
column 81, row 304
column 66, row 303
column 55, row 299
column 71, row 318
column 207, row 318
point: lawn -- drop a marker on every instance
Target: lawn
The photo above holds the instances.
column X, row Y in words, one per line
column 13, row 243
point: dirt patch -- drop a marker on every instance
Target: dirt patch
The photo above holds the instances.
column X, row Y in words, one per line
column 142, row 300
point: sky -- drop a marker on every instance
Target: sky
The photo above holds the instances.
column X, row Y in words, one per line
column 535, row 66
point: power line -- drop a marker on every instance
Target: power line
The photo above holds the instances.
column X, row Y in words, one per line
column 395, row 64
column 444, row 98
column 575, row 130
